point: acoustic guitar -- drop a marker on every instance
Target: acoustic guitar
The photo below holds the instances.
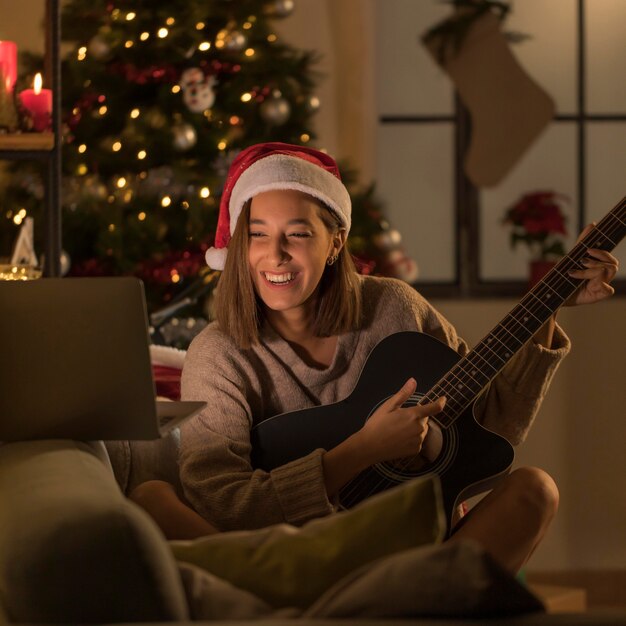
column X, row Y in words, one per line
column 468, row 458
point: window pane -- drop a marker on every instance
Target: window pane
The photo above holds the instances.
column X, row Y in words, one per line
column 410, row 82
column 606, row 53
column 606, row 165
column 549, row 56
column 416, row 182
column 550, row 165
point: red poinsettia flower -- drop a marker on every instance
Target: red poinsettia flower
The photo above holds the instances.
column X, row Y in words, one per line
column 537, row 219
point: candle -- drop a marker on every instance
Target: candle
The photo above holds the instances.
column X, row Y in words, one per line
column 38, row 102
column 8, row 64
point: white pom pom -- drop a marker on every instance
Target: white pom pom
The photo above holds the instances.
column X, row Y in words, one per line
column 216, row 258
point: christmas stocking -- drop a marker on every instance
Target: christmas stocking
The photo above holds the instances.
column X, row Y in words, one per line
column 507, row 108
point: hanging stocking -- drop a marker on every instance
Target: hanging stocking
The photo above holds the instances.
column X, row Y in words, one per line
column 507, row 108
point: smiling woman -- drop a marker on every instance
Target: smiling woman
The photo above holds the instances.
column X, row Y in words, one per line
column 295, row 327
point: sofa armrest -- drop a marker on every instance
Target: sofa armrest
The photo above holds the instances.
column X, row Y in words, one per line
column 72, row 547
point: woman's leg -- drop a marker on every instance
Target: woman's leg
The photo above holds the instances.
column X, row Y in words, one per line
column 174, row 517
column 512, row 519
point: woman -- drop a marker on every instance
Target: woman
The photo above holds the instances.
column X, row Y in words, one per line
column 295, row 324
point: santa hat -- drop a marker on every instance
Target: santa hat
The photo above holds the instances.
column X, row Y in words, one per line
column 271, row 166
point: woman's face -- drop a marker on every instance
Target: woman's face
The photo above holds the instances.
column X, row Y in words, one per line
column 288, row 248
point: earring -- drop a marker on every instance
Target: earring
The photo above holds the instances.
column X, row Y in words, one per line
column 331, row 259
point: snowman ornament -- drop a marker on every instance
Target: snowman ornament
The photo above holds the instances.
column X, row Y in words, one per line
column 198, row 90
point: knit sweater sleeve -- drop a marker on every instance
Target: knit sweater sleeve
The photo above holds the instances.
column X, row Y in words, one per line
column 215, row 469
column 510, row 403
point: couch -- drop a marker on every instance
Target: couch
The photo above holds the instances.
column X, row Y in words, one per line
column 74, row 549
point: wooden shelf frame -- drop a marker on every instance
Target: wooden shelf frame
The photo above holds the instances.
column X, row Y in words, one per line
column 26, row 142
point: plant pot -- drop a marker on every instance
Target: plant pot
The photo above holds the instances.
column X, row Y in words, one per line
column 537, row 270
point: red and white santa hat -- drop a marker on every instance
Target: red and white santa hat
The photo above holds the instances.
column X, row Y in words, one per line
column 271, row 166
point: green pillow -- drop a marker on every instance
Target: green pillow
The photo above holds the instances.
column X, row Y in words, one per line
column 289, row 566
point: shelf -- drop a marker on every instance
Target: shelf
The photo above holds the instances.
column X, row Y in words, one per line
column 27, row 141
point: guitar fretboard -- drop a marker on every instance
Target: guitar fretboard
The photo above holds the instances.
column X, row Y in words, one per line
column 467, row 379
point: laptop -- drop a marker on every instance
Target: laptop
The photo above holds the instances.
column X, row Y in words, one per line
column 75, row 362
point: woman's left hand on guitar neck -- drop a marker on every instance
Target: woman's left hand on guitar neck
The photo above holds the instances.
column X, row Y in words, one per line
column 601, row 268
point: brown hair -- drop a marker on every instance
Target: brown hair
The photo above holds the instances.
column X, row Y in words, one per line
column 240, row 313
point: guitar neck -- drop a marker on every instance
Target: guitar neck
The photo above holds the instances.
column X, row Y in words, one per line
column 468, row 378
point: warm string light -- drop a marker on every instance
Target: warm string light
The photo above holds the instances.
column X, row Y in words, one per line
column 18, row 218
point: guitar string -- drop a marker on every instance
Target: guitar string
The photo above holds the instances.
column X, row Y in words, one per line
column 570, row 261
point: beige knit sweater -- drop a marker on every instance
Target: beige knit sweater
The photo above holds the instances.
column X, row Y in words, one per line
column 243, row 387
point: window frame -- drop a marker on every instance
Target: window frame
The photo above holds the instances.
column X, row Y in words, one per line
column 468, row 283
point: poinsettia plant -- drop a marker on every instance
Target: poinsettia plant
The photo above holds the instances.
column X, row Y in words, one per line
column 537, row 219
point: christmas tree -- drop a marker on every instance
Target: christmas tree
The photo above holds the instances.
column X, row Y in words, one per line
column 158, row 98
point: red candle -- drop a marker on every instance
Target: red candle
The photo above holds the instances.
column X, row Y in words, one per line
column 38, row 102
column 8, row 64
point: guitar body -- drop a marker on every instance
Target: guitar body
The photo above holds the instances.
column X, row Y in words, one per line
column 467, row 457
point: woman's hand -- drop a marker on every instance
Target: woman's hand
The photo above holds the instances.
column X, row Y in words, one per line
column 600, row 269
column 394, row 431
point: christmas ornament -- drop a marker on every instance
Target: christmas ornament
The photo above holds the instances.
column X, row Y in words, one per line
column 387, row 240
column 198, row 93
column 184, row 136
column 275, row 110
column 280, row 8
column 66, row 263
column 399, row 265
column 231, row 39
column 99, row 48
column 395, row 261
column 24, row 248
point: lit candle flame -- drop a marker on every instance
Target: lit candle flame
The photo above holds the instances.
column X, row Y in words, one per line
column 37, row 83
